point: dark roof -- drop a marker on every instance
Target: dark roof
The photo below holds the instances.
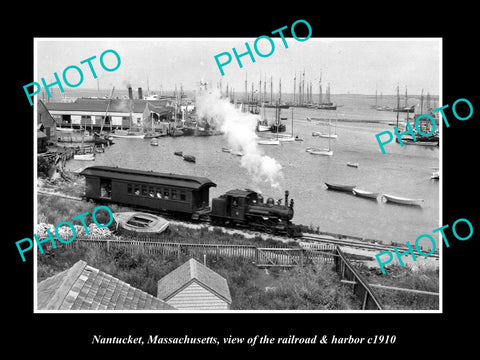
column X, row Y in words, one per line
column 83, row 287
column 240, row 193
column 116, row 105
column 184, row 181
column 184, row 275
column 44, row 115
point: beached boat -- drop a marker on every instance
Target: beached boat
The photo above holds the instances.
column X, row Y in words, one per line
column 403, row 200
column 189, row 158
column 139, row 222
column 340, row 187
column 365, row 194
column 86, row 157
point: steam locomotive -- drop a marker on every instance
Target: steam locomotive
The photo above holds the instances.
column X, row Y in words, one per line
column 188, row 197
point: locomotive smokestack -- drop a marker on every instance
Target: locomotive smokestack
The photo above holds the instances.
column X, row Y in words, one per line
column 286, row 197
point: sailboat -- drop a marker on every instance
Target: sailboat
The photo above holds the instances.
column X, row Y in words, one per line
column 275, row 141
column 329, row 135
column 317, row 151
column 289, row 138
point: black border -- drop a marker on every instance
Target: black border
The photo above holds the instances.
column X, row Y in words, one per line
column 425, row 333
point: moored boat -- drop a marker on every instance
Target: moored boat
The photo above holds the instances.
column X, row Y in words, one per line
column 403, row 200
column 326, row 152
column 189, row 158
column 340, row 187
column 355, row 165
column 154, row 142
column 268, row 142
column 178, row 153
column 365, row 194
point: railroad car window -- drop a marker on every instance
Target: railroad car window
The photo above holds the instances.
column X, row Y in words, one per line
column 144, row 190
column 183, row 196
column 159, row 192
column 150, row 191
column 137, row 190
column 166, row 194
column 174, row 194
column 129, row 188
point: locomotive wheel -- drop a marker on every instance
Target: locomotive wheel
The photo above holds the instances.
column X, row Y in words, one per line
column 269, row 227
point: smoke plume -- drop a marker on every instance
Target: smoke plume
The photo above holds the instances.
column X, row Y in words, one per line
column 239, row 129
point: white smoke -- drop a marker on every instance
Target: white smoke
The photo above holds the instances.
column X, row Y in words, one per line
column 239, row 129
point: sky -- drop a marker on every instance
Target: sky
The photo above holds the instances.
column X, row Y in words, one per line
column 349, row 65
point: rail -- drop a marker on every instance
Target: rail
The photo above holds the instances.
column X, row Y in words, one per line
column 361, row 289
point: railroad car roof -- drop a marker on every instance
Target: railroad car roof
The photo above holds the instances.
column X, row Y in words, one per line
column 184, row 181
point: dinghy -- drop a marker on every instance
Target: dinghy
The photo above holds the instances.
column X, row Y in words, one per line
column 365, row 194
column 403, row 200
column 339, row 187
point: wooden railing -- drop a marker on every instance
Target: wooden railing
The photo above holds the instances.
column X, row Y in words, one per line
column 361, row 289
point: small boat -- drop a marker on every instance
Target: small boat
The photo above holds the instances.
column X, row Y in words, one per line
column 328, row 136
column 355, row 165
column 287, row 139
column 339, row 187
column 298, row 138
column 189, row 158
column 154, row 142
column 268, row 142
column 403, row 200
column 227, row 150
column 139, row 222
column 326, row 152
column 283, row 118
column 85, row 157
column 237, row 153
column 435, row 175
column 365, row 194
column 127, row 134
column 178, row 153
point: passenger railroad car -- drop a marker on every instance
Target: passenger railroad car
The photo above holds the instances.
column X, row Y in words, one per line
column 182, row 194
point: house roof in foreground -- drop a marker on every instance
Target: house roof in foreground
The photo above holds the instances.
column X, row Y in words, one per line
column 191, row 271
column 82, row 287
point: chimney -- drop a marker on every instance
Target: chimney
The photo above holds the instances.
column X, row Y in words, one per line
column 140, row 93
column 130, row 93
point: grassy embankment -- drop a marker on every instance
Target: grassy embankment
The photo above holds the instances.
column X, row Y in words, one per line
column 314, row 287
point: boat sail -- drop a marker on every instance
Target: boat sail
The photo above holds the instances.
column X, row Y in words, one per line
column 290, row 138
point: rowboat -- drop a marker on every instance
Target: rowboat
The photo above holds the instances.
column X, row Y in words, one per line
column 326, row 152
column 365, row 194
column 339, row 187
column 178, row 153
column 139, row 222
column 287, row 139
column 237, row 153
column 224, row 149
column 189, row 158
column 403, row 200
column 154, row 142
column 268, row 142
column 355, row 165
column 85, row 157
column 435, row 175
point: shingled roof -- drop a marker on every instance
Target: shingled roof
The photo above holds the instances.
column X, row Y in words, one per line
column 191, row 271
column 83, row 287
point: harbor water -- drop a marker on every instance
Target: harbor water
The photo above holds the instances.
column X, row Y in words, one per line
column 402, row 171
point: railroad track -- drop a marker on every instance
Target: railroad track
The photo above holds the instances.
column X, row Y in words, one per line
column 307, row 238
column 357, row 244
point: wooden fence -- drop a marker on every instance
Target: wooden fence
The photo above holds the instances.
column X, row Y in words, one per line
column 361, row 289
column 261, row 256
